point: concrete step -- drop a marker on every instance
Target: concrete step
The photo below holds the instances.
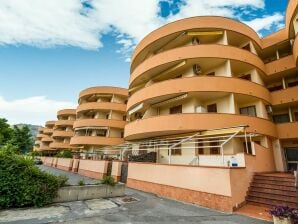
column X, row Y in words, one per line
column 264, row 190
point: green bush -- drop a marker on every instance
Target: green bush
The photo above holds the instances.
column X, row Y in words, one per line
column 109, row 180
column 81, row 182
column 64, row 154
column 23, row 184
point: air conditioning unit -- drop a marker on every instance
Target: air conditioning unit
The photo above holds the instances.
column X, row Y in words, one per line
column 269, row 109
column 200, row 109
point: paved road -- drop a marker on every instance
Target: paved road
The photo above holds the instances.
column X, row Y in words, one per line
column 147, row 209
column 73, row 178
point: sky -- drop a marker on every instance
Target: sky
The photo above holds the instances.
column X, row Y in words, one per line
column 50, row 50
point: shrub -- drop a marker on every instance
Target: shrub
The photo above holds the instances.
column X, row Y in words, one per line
column 62, row 180
column 109, row 180
column 81, row 182
column 64, row 154
column 23, row 184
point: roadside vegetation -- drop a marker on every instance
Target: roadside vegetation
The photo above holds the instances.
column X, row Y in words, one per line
column 21, row 182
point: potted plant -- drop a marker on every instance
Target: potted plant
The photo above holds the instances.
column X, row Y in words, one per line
column 281, row 214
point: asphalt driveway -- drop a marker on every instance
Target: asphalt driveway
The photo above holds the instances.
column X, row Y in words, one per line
column 136, row 207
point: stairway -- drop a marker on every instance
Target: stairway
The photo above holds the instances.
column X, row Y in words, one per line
column 271, row 189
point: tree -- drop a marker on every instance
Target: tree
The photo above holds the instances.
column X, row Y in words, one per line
column 22, row 139
column 6, row 132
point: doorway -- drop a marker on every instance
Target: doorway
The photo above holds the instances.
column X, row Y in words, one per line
column 291, row 155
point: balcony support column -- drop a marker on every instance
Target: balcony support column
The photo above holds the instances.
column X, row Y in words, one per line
column 290, row 114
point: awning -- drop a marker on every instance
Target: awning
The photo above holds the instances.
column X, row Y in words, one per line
column 170, row 100
column 203, row 33
column 92, row 128
column 136, row 109
column 168, row 71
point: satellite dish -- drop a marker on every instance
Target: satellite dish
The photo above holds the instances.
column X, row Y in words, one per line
column 197, row 69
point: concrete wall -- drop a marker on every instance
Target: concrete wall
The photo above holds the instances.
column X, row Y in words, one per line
column 93, row 168
column 78, row 193
column 64, row 164
column 116, row 170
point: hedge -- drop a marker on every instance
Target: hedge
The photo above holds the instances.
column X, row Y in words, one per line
column 23, row 184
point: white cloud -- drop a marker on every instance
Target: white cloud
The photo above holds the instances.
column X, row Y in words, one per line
column 47, row 23
column 266, row 22
column 32, row 110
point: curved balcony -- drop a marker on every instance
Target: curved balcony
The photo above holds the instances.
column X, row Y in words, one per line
column 50, row 123
column 287, row 130
column 285, row 96
column 195, row 23
column 66, row 112
column 106, row 106
column 280, row 65
column 290, row 14
column 104, row 90
column 47, row 139
column 60, row 145
column 62, row 134
column 64, row 123
column 44, row 148
column 41, row 136
column 48, row 131
column 183, row 123
column 199, row 84
column 193, row 53
column 95, row 141
column 99, row 123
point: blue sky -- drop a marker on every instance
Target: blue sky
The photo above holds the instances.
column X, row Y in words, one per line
column 50, row 53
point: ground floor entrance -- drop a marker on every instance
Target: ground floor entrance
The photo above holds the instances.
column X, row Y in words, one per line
column 291, row 156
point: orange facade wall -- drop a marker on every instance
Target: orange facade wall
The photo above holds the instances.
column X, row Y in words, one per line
column 116, row 170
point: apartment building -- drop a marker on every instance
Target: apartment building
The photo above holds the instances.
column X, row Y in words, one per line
column 63, row 130
column 100, row 119
column 38, row 138
column 206, row 73
column 45, row 136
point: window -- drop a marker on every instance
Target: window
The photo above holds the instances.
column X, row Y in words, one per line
column 246, row 47
column 212, row 108
column 275, row 88
column 176, row 151
column 292, row 84
column 246, row 77
column 197, row 69
column 296, row 116
column 247, row 150
column 107, row 116
column 176, row 109
column 124, row 117
column 138, row 115
column 122, row 134
column 101, row 133
column 200, row 149
column 211, row 74
column 177, row 77
column 250, row 111
column 215, row 149
column 281, row 118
